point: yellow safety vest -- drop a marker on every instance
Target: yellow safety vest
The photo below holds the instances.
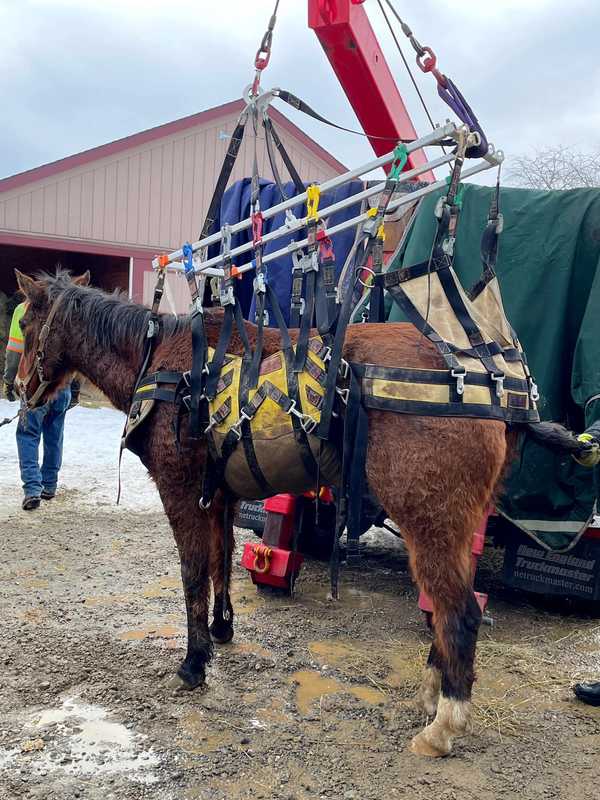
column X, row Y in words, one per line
column 15, row 335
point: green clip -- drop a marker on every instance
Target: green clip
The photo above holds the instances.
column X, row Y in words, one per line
column 399, row 161
column 458, row 198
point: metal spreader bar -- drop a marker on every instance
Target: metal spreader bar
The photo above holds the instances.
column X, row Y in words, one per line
column 492, row 161
column 449, row 130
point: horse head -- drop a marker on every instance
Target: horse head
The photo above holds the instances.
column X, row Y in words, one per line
column 44, row 368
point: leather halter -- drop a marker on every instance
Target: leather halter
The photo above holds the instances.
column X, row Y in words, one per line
column 38, row 365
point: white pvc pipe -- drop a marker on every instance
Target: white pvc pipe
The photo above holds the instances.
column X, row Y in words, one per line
column 410, row 197
column 435, row 137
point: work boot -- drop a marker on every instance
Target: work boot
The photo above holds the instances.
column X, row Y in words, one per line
column 588, row 693
column 30, row 503
column 46, row 495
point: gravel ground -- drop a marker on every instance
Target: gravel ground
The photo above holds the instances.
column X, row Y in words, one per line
column 311, row 700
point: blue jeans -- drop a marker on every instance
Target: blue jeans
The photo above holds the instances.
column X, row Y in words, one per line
column 46, row 422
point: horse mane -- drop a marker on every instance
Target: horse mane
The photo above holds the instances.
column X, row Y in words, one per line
column 111, row 317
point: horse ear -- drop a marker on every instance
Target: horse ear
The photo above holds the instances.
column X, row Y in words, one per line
column 83, row 280
column 32, row 290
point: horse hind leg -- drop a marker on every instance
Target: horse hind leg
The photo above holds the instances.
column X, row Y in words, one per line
column 221, row 525
column 431, row 685
column 449, row 674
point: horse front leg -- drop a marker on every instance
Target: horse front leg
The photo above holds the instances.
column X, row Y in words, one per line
column 222, row 544
column 192, row 536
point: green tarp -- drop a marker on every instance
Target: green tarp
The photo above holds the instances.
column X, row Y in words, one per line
column 549, row 273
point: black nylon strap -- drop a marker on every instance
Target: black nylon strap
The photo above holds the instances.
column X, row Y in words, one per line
column 167, row 395
column 223, row 179
column 306, row 323
column 300, row 105
column 296, row 300
column 293, row 173
column 160, row 377
column 356, row 438
column 218, row 359
column 376, row 298
column 433, row 377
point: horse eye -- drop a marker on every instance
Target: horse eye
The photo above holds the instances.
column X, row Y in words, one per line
column 22, row 324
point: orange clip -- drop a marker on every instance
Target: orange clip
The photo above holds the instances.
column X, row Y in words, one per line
column 163, row 260
column 235, row 273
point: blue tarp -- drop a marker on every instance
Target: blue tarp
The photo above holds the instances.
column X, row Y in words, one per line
column 235, row 206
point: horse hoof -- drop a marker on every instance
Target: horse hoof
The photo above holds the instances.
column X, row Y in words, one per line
column 179, row 683
column 429, row 746
column 221, row 633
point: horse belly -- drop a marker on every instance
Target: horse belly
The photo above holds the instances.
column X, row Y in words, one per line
column 282, row 465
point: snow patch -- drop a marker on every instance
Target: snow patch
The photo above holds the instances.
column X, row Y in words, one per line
column 90, row 463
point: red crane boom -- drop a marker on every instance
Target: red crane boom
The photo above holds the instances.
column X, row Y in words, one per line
column 344, row 30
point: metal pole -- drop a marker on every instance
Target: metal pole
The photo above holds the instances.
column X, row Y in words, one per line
column 433, row 138
column 482, row 166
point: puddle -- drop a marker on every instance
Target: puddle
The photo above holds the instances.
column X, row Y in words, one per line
column 336, row 653
column 82, row 740
column 165, row 587
column 107, row 599
column 250, row 647
column 245, row 598
column 312, row 686
column 168, row 632
column 36, row 583
column 34, row 616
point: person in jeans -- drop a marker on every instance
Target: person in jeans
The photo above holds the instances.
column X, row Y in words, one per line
column 44, row 424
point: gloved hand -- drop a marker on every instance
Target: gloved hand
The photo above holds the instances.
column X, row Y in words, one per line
column 9, row 392
column 589, row 457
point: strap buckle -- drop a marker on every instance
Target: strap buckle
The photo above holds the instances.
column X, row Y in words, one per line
column 533, row 390
column 459, row 376
column 344, row 394
column 498, row 378
column 226, row 296
column 310, row 262
column 212, row 423
column 265, row 318
column 344, row 369
column 260, row 284
column 153, row 327
column 236, row 428
column 300, row 306
column 307, row 422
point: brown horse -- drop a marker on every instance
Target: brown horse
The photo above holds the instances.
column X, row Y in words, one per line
column 434, row 476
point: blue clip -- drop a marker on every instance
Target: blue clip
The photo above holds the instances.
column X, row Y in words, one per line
column 188, row 254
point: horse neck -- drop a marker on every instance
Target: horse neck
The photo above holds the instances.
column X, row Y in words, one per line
column 113, row 370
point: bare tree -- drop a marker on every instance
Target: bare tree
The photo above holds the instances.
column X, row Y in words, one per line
column 558, row 167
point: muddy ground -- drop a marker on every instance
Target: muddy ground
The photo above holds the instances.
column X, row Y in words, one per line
column 312, row 700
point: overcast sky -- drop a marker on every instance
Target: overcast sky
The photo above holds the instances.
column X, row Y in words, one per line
column 79, row 73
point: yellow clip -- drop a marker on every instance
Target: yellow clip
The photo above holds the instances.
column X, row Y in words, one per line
column 372, row 212
column 313, row 195
column 381, row 232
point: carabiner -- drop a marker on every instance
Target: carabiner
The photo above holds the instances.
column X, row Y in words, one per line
column 399, row 161
column 313, row 196
column 188, row 256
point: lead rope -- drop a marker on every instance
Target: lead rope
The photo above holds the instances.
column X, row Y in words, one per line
column 151, row 336
column 226, row 566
